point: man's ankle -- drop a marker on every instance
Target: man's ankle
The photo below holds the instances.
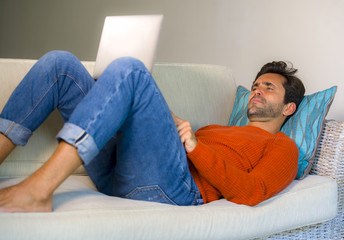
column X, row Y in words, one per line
column 6, row 147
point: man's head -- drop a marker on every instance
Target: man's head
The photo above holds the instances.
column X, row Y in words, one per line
column 276, row 93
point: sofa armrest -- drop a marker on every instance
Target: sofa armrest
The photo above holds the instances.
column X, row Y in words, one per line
column 329, row 159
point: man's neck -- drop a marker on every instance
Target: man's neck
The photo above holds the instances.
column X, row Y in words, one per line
column 272, row 127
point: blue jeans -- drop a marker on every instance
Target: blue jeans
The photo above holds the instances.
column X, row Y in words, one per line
column 120, row 124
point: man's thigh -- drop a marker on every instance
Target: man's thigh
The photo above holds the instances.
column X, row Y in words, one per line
column 151, row 160
column 146, row 159
column 148, row 156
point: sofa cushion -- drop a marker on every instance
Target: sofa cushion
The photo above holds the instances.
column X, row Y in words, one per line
column 304, row 127
column 80, row 212
column 201, row 94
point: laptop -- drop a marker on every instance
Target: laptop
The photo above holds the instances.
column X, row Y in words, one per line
column 135, row 36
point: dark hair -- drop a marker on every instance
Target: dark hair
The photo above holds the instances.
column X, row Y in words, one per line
column 294, row 89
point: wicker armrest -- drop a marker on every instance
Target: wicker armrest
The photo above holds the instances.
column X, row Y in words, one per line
column 329, row 161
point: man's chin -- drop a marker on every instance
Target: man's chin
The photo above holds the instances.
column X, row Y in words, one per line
column 256, row 117
column 253, row 112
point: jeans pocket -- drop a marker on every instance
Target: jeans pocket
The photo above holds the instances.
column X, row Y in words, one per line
column 151, row 193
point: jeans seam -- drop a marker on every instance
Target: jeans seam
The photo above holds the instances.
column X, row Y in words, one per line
column 37, row 103
column 149, row 187
column 49, row 88
column 74, row 80
column 89, row 124
column 68, row 75
column 9, row 128
column 113, row 93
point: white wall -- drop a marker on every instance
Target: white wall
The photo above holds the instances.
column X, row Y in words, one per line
column 243, row 34
column 246, row 34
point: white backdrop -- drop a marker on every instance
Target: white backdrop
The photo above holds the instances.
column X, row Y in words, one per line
column 242, row 34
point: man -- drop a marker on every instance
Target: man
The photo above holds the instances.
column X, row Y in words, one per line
column 121, row 129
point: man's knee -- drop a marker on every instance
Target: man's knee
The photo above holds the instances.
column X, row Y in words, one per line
column 127, row 64
column 56, row 57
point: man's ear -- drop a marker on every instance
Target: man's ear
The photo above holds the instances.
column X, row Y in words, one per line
column 289, row 109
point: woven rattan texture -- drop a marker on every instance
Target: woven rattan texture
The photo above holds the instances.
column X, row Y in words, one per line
column 329, row 161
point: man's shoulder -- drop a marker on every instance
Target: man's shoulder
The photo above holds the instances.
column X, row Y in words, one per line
column 280, row 136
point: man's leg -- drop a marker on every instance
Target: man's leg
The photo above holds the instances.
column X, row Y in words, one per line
column 150, row 161
column 34, row 194
column 58, row 80
column 123, row 93
column 6, row 147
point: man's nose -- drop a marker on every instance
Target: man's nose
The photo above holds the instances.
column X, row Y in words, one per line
column 258, row 91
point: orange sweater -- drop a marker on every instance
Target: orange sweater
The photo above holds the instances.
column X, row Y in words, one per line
column 245, row 165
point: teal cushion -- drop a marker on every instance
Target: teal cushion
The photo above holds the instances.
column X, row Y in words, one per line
column 304, row 127
column 239, row 113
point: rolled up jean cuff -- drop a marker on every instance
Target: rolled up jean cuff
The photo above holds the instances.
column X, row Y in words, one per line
column 17, row 133
column 80, row 139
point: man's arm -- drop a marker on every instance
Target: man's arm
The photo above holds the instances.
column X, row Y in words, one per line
column 187, row 136
column 275, row 171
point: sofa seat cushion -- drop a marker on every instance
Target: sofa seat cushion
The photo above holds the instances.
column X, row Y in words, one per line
column 80, row 212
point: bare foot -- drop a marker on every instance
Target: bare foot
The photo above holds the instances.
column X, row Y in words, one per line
column 35, row 193
column 21, row 198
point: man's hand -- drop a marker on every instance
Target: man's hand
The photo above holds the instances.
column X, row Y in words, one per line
column 186, row 134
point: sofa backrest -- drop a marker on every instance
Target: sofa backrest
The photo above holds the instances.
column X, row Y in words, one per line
column 201, row 94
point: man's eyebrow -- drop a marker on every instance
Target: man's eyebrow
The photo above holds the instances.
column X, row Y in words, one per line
column 264, row 83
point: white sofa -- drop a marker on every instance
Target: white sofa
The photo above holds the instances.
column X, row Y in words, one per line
column 311, row 208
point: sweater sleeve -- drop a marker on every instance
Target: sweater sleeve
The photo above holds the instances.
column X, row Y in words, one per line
column 275, row 171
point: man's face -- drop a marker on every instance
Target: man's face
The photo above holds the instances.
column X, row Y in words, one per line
column 266, row 100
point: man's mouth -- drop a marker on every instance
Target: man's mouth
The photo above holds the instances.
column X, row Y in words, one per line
column 257, row 99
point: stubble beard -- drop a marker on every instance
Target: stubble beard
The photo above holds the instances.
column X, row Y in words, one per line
column 267, row 110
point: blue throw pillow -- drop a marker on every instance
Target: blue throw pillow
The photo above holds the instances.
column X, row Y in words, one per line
column 304, row 127
column 239, row 113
